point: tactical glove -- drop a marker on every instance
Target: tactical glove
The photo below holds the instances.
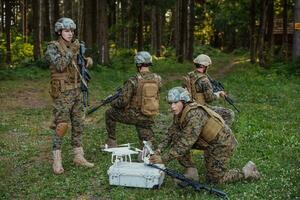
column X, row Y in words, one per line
column 155, row 159
column 89, row 62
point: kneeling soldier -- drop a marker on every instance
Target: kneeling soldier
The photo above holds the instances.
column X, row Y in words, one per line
column 197, row 127
column 200, row 88
column 138, row 103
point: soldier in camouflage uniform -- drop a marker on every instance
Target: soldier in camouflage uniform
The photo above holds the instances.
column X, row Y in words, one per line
column 134, row 106
column 200, row 88
column 197, row 127
column 65, row 92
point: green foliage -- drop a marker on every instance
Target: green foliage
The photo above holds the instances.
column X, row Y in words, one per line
column 21, row 52
column 266, row 129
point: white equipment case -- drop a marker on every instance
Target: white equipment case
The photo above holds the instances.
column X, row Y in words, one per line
column 133, row 174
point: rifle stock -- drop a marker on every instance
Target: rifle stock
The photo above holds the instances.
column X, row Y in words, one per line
column 196, row 185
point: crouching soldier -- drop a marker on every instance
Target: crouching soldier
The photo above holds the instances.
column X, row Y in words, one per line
column 199, row 86
column 138, row 103
column 65, row 92
column 197, row 127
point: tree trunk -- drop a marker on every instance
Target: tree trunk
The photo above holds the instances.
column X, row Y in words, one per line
column 183, row 31
column 88, row 24
column 46, row 27
column 2, row 16
column 296, row 43
column 269, row 40
column 177, row 24
column 141, row 26
column 262, row 32
column 153, row 29
column 51, row 19
column 38, row 34
column 79, row 19
column 103, row 35
column 112, row 17
column 284, row 30
column 252, row 32
column 67, row 8
column 156, row 30
column 8, row 15
column 56, row 10
column 190, row 34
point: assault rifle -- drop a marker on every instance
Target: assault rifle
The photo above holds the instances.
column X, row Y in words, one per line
column 105, row 101
column 84, row 73
column 218, row 86
column 188, row 182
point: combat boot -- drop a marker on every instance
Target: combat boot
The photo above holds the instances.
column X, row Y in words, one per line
column 190, row 173
column 79, row 158
column 250, row 171
column 57, row 166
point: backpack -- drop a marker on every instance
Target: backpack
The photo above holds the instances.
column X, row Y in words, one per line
column 148, row 96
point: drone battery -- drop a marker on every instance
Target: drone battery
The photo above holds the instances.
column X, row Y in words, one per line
column 133, row 174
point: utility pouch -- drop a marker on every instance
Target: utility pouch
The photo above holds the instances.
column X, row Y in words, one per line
column 55, row 88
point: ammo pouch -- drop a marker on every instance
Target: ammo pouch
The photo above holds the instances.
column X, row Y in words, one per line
column 59, row 84
column 55, row 88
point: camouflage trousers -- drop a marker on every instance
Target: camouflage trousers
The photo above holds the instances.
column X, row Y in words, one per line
column 133, row 117
column 225, row 113
column 68, row 108
column 216, row 159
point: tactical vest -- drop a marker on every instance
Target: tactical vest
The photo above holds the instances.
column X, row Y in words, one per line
column 146, row 98
column 212, row 127
column 66, row 80
column 190, row 83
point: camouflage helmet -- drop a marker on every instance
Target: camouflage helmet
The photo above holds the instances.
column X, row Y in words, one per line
column 64, row 23
column 202, row 59
column 143, row 57
column 178, row 94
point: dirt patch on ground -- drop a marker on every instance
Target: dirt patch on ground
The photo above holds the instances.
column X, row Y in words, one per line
column 227, row 69
column 219, row 73
column 25, row 97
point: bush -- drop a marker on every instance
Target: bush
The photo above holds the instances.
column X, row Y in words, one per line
column 21, row 52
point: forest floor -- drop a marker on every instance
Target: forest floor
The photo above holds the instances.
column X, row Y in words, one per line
column 267, row 130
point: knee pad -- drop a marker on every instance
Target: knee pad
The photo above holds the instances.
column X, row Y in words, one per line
column 61, row 129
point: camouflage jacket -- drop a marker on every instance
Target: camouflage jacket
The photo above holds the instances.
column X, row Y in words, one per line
column 130, row 88
column 181, row 139
column 203, row 85
column 61, row 58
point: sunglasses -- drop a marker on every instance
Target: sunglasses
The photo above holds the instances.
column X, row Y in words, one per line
column 199, row 65
column 144, row 64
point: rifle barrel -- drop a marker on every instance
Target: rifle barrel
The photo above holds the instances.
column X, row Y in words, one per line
column 196, row 185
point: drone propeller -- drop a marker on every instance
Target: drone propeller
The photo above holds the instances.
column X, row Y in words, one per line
column 125, row 145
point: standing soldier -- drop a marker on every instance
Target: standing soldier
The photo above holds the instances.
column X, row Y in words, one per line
column 138, row 103
column 197, row 127
column 201, row 90
column 65, row 92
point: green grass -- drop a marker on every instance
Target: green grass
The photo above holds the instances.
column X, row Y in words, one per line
column 267, row 130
